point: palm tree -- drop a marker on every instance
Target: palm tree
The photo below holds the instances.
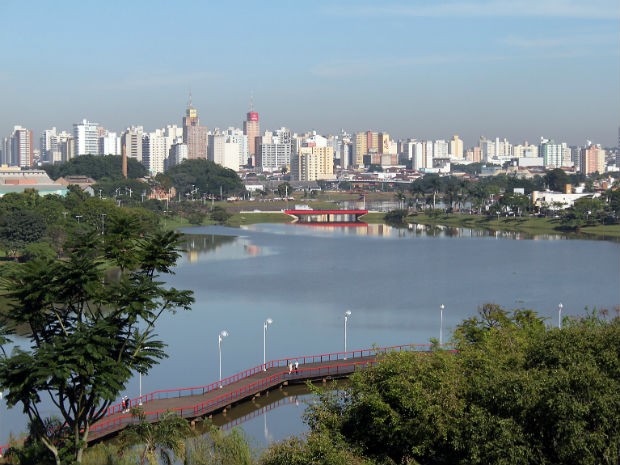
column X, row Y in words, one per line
column 161, row 442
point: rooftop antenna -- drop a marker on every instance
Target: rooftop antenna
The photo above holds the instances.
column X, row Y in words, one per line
column 189, row 103
column 251, row 100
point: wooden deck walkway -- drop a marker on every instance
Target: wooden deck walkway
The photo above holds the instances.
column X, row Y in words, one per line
column 202, row 401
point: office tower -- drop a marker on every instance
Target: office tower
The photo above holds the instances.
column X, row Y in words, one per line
column 195, row 136
column 131, row 142
column 456, row 147
column 86, row 136
column 592, row 159
column 22, row 150
column 251, row 128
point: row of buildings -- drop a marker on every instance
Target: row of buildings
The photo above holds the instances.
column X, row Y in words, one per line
column 307, row 157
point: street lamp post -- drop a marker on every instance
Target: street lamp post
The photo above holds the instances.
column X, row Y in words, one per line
column 347, row 314
column 441, row 307
column 560, row 307
column 220, row 338
column 268, row 321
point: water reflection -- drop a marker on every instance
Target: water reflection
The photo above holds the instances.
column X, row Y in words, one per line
column 212, row 247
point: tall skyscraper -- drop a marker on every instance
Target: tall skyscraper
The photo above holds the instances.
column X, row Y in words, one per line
column 195, row 136
column 86, row 136
column 22, row 150
column 251, row 128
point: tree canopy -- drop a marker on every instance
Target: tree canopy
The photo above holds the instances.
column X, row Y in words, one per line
column 89, row 330
column 206, row 176
column 514, row 392
column 97, row 167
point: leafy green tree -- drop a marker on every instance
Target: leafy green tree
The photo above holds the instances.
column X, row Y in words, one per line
column 89, row 331
column 219, row 448
column 20, row 228
column 220, row 215
column 160, row 442
column 97, row 167
column 207, row 176
column 514, row 392
column 556, row 179
column 284, row 189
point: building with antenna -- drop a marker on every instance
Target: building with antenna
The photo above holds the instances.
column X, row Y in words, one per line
column 251, row 128
column 195, row 136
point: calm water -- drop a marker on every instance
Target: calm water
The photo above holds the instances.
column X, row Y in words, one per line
column 393, row 281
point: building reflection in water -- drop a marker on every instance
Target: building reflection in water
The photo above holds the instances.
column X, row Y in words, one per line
column 202, row 247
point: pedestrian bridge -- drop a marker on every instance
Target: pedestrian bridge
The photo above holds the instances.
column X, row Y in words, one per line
column 199, row 402
column 326, row 216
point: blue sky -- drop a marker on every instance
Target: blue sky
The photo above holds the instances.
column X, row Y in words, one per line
column 519, row 69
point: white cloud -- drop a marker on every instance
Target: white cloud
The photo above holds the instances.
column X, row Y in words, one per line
column 585, row 9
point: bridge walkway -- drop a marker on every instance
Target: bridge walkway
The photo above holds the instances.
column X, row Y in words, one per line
column 203, row 401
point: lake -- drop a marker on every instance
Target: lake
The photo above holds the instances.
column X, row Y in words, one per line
column 392, row 280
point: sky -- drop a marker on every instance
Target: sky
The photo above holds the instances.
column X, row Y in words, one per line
column 520, row 69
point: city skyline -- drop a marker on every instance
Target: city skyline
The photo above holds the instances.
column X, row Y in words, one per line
column 520, row 70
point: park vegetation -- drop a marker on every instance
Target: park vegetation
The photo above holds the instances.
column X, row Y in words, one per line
column 512, row 391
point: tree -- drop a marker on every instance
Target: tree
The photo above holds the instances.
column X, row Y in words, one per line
column 97, row 167
column 514, row 392
column 159, row 442
column 284, row 189
column 556, row 179
column 88, row 331
column 20, row 228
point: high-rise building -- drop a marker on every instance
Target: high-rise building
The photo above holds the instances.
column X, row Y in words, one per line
column 456, row 147
column 48, row 145
column 154, row 151
column 251, row 128
column 223, row 152
column 195, row 136
column 86, row 136
column 551, row 153
column 313, row 163
column 109, row 144
column 131, row 142
column 592, row 159
column 66, row 147
column 22, row 150
column 237, row 136
column 274, row 152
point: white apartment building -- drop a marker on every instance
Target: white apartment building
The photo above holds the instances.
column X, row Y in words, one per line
column 313, row 163
column 236, row 136
column 86, row 136
column 21, row 146
column 553, row 154
column 441, row 149
column 178, row 154
column 110, row 144
column 497, row 151
column 154, row 151
column 222, row 152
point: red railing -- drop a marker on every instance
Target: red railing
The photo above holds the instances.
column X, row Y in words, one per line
column 208, row 406
column 328, row 357
column 104, row 426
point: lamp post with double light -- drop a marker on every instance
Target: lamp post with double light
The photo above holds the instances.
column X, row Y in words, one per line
column 347, row 314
